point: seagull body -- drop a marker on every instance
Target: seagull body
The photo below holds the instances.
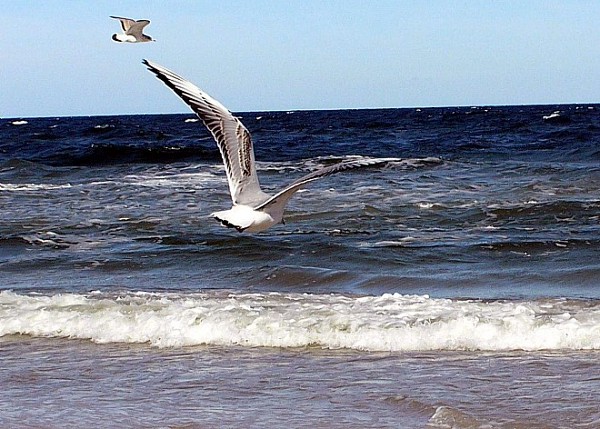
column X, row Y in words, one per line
column 253, row 210
column 133, row 31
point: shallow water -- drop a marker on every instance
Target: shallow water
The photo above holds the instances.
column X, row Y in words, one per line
column 62, row 383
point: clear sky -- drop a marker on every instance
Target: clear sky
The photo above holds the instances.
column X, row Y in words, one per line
column 57, row 57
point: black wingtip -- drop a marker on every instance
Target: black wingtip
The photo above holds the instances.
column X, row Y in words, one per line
column 150, row 66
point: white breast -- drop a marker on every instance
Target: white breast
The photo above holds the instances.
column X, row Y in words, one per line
column 245, row 218
column 125, row 38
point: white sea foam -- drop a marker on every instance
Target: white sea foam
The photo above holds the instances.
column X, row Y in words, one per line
column 447, row 417
column 171, row 180
column 389, row 322
column 405, row 241
column 553, row 115
column 24, row 187
column 19, row 122
column 427, row 205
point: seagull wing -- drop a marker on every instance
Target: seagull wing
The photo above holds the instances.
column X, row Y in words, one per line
column 233, row 139
column 137, row 27
column 126, row 23
column 283, row 196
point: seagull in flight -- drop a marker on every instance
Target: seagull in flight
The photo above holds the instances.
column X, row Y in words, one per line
column 253, row 210
column 133, row 31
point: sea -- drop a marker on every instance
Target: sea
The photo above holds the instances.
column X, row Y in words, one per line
column 455, row 286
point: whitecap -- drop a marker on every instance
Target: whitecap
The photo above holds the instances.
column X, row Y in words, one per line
column 24, row 187
column 448, row 417
column 394, row 243
column 554, row 115
column 389, row 322
column 175, row 180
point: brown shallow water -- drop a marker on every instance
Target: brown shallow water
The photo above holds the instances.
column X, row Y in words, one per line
column 59, row 383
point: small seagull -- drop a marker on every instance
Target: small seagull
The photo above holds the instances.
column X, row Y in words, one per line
column 253, row 210
column 133, row 31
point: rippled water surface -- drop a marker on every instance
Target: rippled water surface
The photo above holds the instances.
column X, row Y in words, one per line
column 62, row 383
column 455, row 286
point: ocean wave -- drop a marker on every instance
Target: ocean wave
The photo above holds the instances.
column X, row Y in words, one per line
column 389, row 322
column 215, row 171
column 448, row 417
column 529, row 245
column 176, row 180
column 565, row 209
column 557, row 117
column 26, row 187
column 112, row 154
column 408, row 162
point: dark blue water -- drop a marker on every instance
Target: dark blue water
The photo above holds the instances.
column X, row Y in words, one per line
column 476, row 249
column 487, row 202
column 452, row 133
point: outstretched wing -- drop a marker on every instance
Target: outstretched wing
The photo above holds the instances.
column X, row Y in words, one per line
column 233, row 139
column 126, row 23
column 283, row 196
column 136, row 29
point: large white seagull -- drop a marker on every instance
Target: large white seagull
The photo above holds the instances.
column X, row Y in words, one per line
column 253, row 210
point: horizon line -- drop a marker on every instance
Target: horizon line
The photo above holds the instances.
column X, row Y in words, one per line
column 333, row 109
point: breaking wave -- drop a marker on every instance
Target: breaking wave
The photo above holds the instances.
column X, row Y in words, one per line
column 389, row 322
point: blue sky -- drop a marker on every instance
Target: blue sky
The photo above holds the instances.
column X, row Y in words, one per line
column 57, row 57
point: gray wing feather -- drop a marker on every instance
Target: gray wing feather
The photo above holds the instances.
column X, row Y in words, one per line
column 233, row 139
column 283, row 196
column 126, row 23
column 137, row 27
